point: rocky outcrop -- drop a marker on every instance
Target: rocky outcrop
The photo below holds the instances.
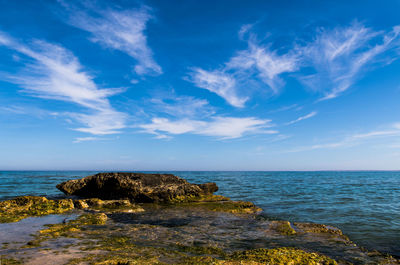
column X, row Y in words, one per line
column 137, row 187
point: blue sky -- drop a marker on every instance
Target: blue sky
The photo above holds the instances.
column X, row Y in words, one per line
column 199, row 85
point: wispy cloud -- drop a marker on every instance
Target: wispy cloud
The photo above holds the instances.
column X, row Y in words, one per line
column 122, row 30
column 247, row 68
column 267, row 64
column 25, row 110
column 285, row 108
column 220, row 83
column 340, row 55
column 220, row 127
column 53, row 72
column 337, row 58
column 86, row 139
column 181, row 106
column 305, row 117
column 354, row 139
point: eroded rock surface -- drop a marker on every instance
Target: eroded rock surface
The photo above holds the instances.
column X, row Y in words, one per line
column 137, row 187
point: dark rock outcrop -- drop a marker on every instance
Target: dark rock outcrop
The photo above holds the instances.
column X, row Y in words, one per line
column 138, row 187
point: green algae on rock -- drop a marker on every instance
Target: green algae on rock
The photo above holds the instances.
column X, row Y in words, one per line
column 29, row 206
column 283, row 227
column 320, row 228
column 282, row 256
column 235, row 207
column 107, row 205
column 217, row 203
column 200, row 198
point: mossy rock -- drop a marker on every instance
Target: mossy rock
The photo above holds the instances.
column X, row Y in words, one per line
column 235, row 207
column 320, row 229
column 282, row 256
column 200, row 250
column 283, row 228
column 202, row 198
column 29, row 206
column 107, row 205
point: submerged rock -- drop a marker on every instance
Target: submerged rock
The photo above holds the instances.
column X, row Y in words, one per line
column 137, row 187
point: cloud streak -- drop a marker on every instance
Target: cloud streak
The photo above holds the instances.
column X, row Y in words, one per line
column 354, row 139
column 220, row 127
column 122, row 30
column 305, row 117
column 52, row 72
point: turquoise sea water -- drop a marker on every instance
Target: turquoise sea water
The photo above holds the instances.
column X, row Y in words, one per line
column 364, row 204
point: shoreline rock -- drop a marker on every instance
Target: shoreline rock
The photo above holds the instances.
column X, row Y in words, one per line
column 137, row 187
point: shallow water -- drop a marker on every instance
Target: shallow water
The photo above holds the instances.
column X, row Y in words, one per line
column 365, row 204
column 23, row 230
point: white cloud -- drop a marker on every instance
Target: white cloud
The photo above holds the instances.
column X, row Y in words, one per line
column 229, row 127
column 220, row 83
column 339, row 55
column 172, row 127
column 376, row 134
column 55, row 73
column 107, row 121
column 85, row 139
column 122, row 30
column 267, row 64
column 337, row 58
column 220, row 127
column 247, row 68
column 305, row 117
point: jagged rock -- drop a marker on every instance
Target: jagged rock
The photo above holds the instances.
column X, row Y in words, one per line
column 137, row 187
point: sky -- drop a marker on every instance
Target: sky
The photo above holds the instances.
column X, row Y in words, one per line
column 199, row 85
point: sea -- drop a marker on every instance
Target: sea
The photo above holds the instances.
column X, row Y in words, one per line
column 365, row 205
